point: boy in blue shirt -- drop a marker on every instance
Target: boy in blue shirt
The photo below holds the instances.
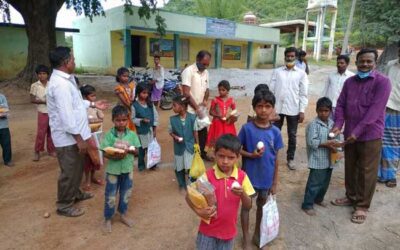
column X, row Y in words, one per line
column 260, row 160
column 5, row 137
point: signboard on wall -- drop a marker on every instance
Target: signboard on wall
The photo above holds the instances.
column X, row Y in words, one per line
column 232, row 52
column 163, row 48
column 312, row 4
column 220, row 28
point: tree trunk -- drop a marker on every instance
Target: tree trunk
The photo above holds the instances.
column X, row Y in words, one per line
column 40, row 20
column 348, row 29
column 389, row 53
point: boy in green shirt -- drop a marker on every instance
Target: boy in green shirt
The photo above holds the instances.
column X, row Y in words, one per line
column 119, row 170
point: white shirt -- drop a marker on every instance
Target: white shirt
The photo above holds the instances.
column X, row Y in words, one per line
column 198, row 83
column 158, row 75
column 392, row 70
column 334, row 85
column 67, row 110
column 290, row 88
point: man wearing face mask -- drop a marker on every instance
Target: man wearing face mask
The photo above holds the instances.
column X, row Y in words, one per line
column 195, row 84
column 290, row 87
column 361, row 109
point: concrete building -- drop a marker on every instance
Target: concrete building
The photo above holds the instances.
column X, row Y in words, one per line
column 120, row 39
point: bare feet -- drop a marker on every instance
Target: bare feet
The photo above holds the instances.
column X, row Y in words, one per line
column 53, row 154
column 128, row 222
column 36, row 156
column 107, row 226
column 310, row 212
column 322, row 204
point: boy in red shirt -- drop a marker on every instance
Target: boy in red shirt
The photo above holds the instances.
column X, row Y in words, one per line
column 221, row 232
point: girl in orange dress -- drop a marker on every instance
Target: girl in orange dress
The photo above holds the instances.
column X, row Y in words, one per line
column 125, row 91
column 223, row 111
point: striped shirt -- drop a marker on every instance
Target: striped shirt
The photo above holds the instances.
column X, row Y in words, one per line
column 317, row 133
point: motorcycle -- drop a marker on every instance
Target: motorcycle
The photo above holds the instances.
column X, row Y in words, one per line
column 171, row 89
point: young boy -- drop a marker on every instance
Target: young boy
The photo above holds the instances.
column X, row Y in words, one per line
column 221, row 232
column 252, row 115
column 260, row 162
column 5, row 137
column 38, row 97
column 318, row 153
column 119, row 170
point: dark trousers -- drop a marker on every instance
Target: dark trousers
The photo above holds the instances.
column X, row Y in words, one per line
column 202, row 141
column 361, row 171
column 117, row 183
column 181, row 178
column 317, row 185
column 141, row 156
column 292, row 123
column 71, row 165
column 5, row 141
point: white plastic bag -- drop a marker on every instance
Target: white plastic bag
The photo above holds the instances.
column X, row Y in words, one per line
column 269, row 227
column 153, row 153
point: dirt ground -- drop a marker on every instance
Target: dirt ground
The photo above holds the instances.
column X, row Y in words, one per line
column 162, row 218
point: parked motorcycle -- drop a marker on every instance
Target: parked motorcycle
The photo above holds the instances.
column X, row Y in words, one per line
column 171, row 90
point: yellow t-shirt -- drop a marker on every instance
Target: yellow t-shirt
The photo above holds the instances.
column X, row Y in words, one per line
column 38, row 90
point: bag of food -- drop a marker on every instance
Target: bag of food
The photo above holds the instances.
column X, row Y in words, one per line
column 197, row 169
column 202, row 194
column 153, row 153
column 269, row 227
column 93, row 151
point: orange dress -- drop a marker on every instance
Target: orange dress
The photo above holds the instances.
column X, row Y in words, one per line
column 128, row 93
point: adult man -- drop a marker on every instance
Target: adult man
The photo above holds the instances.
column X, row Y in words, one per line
column 301, row 61
column 361, row 107
column 69, row 130
column 391, row 149
column 195, row 86
column 290, row 87
column 335, row 82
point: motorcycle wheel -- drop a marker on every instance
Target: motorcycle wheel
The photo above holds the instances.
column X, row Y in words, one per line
column 166, row 103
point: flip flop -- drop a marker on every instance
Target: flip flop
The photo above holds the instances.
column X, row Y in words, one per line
column 342, row 202
column 359, row 216
column 71, row 212
column 391, row 184
column 84, row 196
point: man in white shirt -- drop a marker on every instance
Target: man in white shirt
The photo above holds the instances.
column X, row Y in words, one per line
column 195, row 84
column 335, row 81
column 69, row 130
column 390, row 149
column 290, row 87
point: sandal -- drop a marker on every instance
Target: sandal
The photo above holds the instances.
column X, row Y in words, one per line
column 359, row 216
column 391, row 184
column 84, row 196
column 71, row 212
column 342, row 202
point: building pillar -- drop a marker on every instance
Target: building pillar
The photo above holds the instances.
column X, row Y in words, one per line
column 275, row 55
column 321, row 34
column 332, row 36
column 127, row 48
column 218, row 53
column 249, row 54
column 296, row 37
column 177, row 51
column 305, row 33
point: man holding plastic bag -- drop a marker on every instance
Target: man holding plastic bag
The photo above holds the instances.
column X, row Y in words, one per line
column 215, row 197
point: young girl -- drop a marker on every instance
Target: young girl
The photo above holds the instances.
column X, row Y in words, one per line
column 145, row 117
column 95, row 117
column 125, row 91
column 182, row 128
column 158, row 81
column 222, row 110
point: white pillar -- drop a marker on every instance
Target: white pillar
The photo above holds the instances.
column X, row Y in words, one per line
column 317, row 27
column 321, row 34
column 332, row 36
column 305, row 33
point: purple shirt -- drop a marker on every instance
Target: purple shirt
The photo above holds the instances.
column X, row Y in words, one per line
column 361, row 106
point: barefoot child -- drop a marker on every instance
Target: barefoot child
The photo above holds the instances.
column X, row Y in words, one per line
column 125, row 92
column 318, row 153
column 221, row 232
column 182, row 128
column 95, row 116
column 220, row 110
column 119, row 170
column 261, row 143
column 145, row 117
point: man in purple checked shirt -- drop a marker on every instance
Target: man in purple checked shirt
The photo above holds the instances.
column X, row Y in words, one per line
column 361, row 108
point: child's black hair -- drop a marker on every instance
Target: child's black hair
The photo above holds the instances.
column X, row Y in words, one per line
column 42, row 68
column 324, row 102
column 181, row 100
column 263, row 95
column 139, row 89
column 229, row 142
column 87, row 90
column 225, row 84
column 119, row 110
column 120, row 72
column 301, row 53
column 260, row 87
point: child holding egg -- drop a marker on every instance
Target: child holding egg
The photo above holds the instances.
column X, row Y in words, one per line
column 261, row 142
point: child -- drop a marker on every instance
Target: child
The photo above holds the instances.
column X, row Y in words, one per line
column 260, row 162
column 221, row 232
column 119, row 170
column 182, row 128
column 125, row 91
column 318, row 153
column 158, row 81
column 145, row 117
column 252, row 115
column 38, row 97
column 223, row 121
column 95, row 116
column 5, row 137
